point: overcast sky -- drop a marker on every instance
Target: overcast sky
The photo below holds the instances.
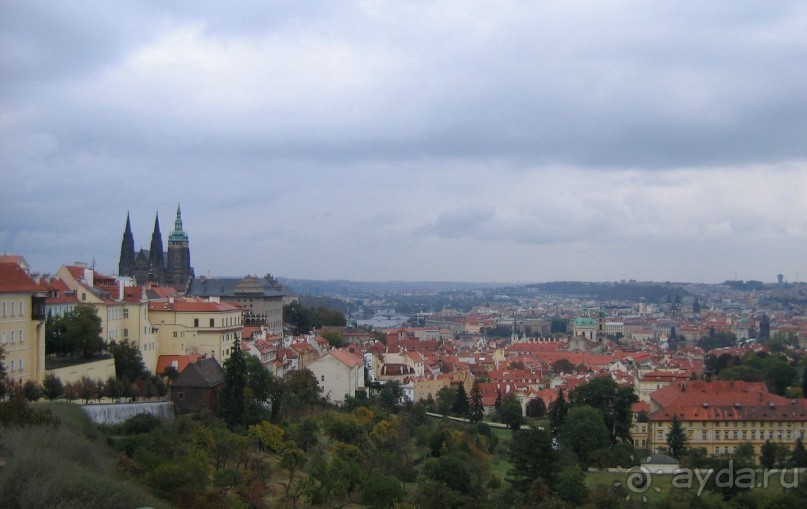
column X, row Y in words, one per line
column 507, row 141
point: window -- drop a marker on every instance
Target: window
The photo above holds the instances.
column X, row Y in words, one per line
column 21, row 312
column 4, row 337
column 12, row 337
column 21, row 339
column 126, row 313
column 175, row 333
column 180, row 395
column 125, row 333
column 83, row 296
column 12, row 308
column 12, row 365
column 4, row 310
column 196, row 322
column 212, row 322
column 322, row 378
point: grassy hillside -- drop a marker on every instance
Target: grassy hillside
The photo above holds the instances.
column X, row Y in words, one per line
column 70, row 466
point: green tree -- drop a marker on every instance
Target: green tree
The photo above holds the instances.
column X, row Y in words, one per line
column 381, row 491
column 557, row 413
column 476, row 408
column 613, row 402
column 300, row 391
column 3, row 387
column 798, row 458
column 773, row 454
column 512, row 415
column 531, row 457
column 446, row 397
column 677, row 438
column 52, row 386
column 129, row 363
column 779, row 375
column 259, row 379
column 536, row 408
column 461, row 406
column 570, row 485
column 334, row 338
column 83, row 331
column 584, row 431
column 390, row 395
column 232, row 405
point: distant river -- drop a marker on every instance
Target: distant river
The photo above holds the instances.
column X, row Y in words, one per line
column 382, row 321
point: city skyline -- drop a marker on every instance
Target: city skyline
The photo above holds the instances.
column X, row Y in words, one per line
column 451, row 141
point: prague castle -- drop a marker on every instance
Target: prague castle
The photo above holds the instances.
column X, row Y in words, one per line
column 170, row 268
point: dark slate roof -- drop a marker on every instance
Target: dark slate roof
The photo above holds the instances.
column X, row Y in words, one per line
column 249, row 286
column 205, row 372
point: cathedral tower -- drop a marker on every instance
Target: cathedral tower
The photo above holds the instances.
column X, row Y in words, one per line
column 178, row 271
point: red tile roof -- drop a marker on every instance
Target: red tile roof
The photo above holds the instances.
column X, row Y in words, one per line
column 348, row 358
column 13, row 279
column 182, row 361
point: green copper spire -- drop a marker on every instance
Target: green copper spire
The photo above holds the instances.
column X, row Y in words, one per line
column 178, row 235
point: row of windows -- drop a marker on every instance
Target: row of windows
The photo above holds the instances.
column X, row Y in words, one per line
column 779, row 435
column 12, row 366
column 16, row 309
column 118, row 314
column 15, row 336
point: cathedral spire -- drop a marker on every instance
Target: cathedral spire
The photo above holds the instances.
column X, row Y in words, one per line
column 178, row 235
column 156, row 256
column 127, row 250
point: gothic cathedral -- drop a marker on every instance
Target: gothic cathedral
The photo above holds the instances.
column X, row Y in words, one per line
column 171, row 268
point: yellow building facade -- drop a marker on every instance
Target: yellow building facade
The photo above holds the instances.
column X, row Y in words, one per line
column 22, row 324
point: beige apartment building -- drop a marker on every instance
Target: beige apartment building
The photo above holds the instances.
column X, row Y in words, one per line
column 22, row 324
column 719, row 416
column 123, row 308
column 193, row 326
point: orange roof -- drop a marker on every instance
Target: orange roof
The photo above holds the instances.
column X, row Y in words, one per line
column 13, row 279
column 348, row 358
column 182, row 361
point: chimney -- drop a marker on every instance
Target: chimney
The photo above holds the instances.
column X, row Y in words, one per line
column 89, row 278
column 120, row 289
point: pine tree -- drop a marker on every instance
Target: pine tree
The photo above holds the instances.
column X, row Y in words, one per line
column 476, row 409
column 461, row 406
column 557, row 413
column 677, row 438
column 798, row 458
column 498, row 403
column 233, row 409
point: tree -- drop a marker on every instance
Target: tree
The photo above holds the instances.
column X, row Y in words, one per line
column 129, row 363
column 461, row 405
column 779, row 375
column 531, row 457
column 557, row 413
column 536, row 408
column 390, row 395
column 82, row 331
column 798, row 458
column 613, row 402
column 2, row 372
column 268, row 436
column 584, row 431
column 476, row 408
column 380, row 491
column 511, row 415
column 562, row 366
column 259, row 379
column 52, row 386
column 232, row 407
column 300, row 390
column 446, row 397
column 677, row 438
column 767, row 456
column 334, row 338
